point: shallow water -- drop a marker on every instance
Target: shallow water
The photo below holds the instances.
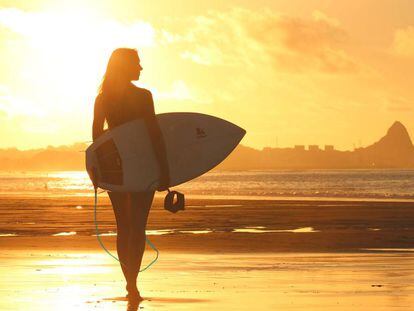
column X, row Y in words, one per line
column 364, row 183
column 262, row 229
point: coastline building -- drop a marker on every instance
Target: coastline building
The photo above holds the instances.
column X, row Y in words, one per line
column 313, row 148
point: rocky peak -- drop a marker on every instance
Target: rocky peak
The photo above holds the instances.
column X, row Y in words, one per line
column 397, row 135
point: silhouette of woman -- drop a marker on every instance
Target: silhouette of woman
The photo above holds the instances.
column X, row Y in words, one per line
column 119, row 101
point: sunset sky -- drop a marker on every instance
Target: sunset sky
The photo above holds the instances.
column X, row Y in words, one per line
column 289, row 72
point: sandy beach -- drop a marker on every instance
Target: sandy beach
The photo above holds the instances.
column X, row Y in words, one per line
column 218, row 254
column 74, row 280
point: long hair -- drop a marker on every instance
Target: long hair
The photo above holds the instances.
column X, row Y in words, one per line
column 116, row 75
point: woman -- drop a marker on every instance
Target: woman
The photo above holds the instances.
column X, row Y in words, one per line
column 120, row 101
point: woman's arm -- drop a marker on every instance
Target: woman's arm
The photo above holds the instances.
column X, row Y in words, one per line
column 157, row 142
column 98, row 119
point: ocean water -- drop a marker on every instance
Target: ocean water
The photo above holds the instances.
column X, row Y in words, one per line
column 366, row 184
column 62, row 216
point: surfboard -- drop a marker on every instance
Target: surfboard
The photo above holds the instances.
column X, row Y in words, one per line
column 124, row 159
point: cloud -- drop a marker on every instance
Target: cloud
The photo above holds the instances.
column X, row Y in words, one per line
column 399, row 104
column 59, row 57
column 403, row 44
column 242, row 37
column 180, row 92
column 313, row 43
column 68, row 29
column 12, row 105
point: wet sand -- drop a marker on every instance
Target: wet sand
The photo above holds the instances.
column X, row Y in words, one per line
column 218, row 254
column 53, row 280
column 222, row 225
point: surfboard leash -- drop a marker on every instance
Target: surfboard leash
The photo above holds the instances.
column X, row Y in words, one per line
column 103, row 246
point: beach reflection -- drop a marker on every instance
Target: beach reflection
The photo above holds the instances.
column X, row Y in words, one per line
column 159, row 232
column 260, row 229
column 65, row 233
column 196, row 231
column 261, row 281
column 133, row 306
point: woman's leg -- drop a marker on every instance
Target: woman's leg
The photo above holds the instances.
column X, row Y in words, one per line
column 120, row 205
column 140, row 206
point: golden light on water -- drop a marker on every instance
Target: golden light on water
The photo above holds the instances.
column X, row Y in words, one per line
column 71, row 267
column 264, row 230
column 284, row 281
column 69, row 175
column 71, row 181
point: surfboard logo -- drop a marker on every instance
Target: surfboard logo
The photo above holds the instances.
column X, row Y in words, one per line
column 200, row 133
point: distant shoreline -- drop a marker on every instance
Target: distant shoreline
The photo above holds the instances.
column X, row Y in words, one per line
column 395, row 150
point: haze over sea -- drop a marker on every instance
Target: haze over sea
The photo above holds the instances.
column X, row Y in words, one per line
column 327, row 184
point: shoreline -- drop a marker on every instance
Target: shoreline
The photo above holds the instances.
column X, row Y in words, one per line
column 184, row 244
column 19, row 195
column 221, row 225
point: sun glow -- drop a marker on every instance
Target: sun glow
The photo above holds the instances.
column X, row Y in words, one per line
column 295, row 73
column 60, row 57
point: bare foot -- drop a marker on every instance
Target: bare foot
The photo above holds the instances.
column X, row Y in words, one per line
column 133, row 294
column 134, row 297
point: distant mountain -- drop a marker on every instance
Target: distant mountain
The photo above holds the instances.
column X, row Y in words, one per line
column 51, row 158
column 394, row 150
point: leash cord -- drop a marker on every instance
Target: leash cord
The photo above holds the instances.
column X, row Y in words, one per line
column 103, row 246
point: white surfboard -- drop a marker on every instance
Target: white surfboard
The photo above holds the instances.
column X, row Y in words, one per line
column 124, row 158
